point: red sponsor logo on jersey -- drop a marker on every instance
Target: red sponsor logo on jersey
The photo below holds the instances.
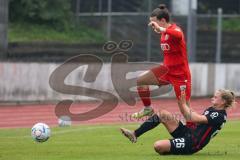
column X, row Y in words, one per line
column 165, row 47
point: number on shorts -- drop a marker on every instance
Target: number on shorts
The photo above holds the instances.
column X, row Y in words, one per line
column 179, row 142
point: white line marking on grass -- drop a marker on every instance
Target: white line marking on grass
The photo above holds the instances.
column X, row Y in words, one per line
column 87, row 128
column 70, row 130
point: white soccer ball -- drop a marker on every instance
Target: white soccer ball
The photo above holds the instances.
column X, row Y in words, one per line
column 41, row 132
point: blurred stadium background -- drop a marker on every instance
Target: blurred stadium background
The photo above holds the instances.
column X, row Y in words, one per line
column 37, row 36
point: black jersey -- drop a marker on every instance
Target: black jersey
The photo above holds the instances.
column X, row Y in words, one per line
column 202, row 133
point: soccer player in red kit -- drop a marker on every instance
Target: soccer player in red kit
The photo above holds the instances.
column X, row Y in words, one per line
column 174, row 70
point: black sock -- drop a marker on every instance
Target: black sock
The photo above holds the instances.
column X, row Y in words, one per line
column 149, row 124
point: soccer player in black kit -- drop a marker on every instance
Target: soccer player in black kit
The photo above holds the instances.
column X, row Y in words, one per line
column 187, row 139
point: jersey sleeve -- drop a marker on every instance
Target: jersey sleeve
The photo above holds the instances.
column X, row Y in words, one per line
column 176, row 32
column 215, row 118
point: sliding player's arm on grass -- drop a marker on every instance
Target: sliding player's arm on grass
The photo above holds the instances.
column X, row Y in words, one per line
column 188, row 114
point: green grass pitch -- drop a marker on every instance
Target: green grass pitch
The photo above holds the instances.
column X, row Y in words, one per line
column 104, row 142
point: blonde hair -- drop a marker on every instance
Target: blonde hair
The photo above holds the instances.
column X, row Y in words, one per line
column 228, row 96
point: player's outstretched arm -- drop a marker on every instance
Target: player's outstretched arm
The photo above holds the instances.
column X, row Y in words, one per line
column 188, row 114
column 156, row 27
column 177, row 33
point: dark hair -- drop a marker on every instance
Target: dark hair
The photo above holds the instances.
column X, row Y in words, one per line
column 161, row 12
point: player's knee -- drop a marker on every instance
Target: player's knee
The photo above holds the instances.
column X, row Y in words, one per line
column 165, row 116
column 164, row 113
column 141, row 86
column 159, row 147
column 139, row 82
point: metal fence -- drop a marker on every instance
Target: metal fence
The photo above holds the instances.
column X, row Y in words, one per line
column 217, row 38
column 210, row 39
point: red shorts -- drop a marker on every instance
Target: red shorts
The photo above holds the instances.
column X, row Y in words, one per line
column 176, row 76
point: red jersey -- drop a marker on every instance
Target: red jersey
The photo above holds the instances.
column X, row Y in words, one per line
column 174, row 50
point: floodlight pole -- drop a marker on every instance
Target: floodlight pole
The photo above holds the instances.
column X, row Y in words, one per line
column 191, row 31
column 219, row 36
column 149, row 33
column 109, row 20
column 3, row 28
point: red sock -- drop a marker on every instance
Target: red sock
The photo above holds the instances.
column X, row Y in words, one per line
column 144, row 94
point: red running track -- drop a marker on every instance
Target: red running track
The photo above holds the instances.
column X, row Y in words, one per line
column 26, row 115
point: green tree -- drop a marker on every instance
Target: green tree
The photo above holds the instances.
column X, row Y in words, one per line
column 56, row 13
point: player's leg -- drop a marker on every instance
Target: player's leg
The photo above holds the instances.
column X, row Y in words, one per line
column 180, row 144
column 168, row 119
column 173, row 126
column 143, row 83
column 180, row 85
column 152, row 77
column 176, row 146
column 162, row 146
column 149, row 124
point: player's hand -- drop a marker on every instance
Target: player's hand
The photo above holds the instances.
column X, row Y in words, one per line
column 156, row 27
column 182, row 98
column 153, row 24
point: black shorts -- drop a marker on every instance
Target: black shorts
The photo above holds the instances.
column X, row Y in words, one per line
column 182, row 142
